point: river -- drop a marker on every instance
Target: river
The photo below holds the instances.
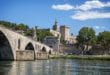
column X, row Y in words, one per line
column 55, row 67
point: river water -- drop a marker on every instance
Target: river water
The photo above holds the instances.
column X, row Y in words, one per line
column 55, row 67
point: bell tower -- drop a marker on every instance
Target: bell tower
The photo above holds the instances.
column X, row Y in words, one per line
column 55, row 26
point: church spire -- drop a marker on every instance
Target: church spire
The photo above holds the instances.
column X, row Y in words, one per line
column 55, row 26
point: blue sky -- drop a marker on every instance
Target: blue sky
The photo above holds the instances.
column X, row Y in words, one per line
column 73, row 13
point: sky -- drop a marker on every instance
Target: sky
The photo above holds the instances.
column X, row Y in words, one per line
column 73, row 13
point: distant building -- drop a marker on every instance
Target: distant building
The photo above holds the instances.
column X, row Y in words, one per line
column 56, row 26
column 59, row 32
column 55, row 33
column 65, row 32
column 72, row 40
column 52, row 42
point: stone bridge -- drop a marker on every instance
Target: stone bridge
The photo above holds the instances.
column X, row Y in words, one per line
column 11, row 41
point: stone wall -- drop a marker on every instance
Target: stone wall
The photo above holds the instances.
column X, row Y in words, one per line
column 25, row 55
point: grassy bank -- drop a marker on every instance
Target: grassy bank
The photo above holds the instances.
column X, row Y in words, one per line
column 88, row 57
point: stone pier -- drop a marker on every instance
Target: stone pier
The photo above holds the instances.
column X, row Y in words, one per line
column 42, row 55
column 25, row 55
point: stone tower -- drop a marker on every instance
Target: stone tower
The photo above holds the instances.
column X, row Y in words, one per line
column 55, row 26
column 34, row 33
column 65, row 32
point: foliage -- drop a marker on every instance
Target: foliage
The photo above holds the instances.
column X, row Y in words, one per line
column 42, row 33
column 21, row 27
column 86, row 37
column 14, row 25
column 29, row 32
column 104, row 39
column 8, row 24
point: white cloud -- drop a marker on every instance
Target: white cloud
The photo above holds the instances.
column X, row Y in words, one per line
column 85, row 11
column 62, row 7
column 88, row 5
column 90, row 15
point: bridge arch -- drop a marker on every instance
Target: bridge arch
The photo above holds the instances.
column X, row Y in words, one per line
column 6, row 52
column 29, row 46
column 43, row 49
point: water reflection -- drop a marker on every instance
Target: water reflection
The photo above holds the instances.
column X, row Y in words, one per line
column 55, row 67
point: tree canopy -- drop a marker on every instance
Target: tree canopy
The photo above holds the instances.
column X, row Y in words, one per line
column 104, row 39
column 42, row 33
column 86, row 37
column 14, row 26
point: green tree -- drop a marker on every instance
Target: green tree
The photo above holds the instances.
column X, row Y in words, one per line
column 8, row 24
column 14, row 25
column 104, row 39
column 42, row 33
column 29, row 32
column 22, row 27
column 86, row 37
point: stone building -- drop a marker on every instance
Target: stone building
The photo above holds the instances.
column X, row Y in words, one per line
column 52, row 42
column 59, row 32
column 65, row 32
column 55, row 33
column 62, row 31
column 72, row 39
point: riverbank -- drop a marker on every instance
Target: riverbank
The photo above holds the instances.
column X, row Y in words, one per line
column 88, row 57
